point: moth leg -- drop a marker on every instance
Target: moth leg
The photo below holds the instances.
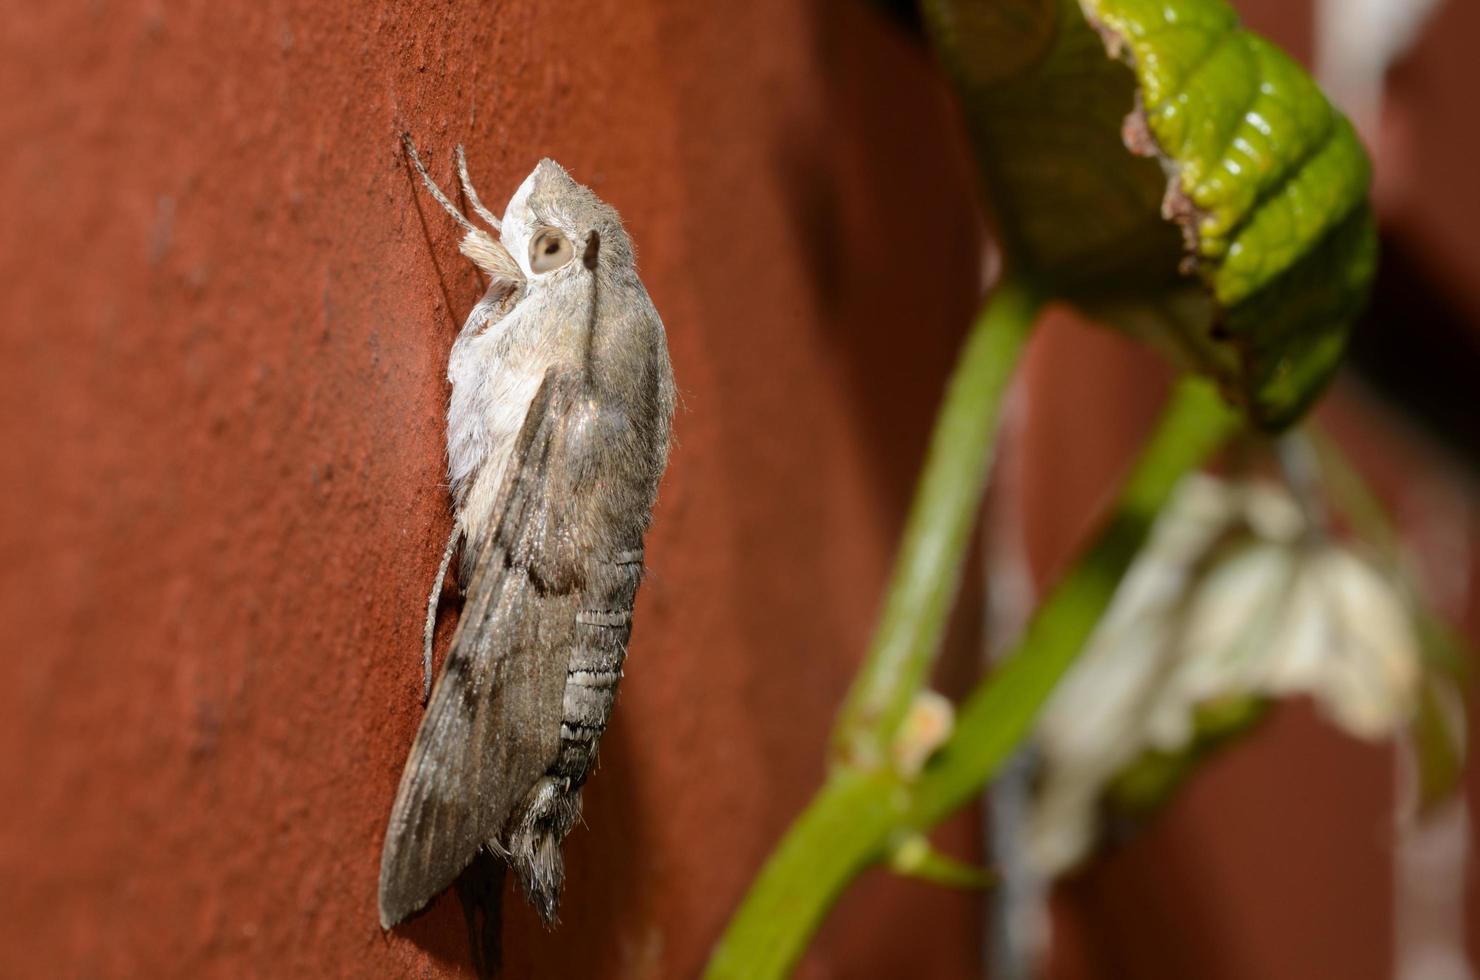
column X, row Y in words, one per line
column 436, row 191
column 431, row 624
column 473, row 199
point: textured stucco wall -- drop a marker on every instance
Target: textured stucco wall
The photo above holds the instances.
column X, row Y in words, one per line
column 227, row 314
column 224, row 321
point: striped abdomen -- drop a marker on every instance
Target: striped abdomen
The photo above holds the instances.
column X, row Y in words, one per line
column 595, row 670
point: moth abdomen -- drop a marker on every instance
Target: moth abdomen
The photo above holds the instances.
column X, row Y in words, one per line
column 533, row 841
column 588, row 697
column 608, row 618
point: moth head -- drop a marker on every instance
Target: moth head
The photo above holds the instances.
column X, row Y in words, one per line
column 555, row 227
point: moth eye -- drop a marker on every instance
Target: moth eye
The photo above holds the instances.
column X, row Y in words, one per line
column 549, row 250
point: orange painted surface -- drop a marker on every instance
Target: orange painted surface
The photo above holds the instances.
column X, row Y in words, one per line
column 224, row 324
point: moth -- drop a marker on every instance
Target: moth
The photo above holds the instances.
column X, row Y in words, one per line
column 557, row 435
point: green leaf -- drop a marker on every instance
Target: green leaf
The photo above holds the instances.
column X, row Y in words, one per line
column 1173, row 174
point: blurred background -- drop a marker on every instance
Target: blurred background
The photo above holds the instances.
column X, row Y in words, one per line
column 223, row 333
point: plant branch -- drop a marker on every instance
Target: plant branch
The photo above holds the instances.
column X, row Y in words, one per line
column 861, row 813
column 933, row 547
column 995, row 719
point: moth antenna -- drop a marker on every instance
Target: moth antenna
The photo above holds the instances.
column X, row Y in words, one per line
column 467, row 186
column 426, row 178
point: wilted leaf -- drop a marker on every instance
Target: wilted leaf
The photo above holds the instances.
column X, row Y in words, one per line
column 1124, row 140
column 1150, row 780
column 1235, row 600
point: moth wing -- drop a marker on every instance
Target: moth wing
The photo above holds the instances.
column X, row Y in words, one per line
column 492, row 727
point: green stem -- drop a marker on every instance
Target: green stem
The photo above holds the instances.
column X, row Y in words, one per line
column 842, row 831
column 933, row 547
column 995, row 719
column 860, row 812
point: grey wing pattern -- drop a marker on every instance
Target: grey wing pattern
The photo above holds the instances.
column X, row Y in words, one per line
column 492, row 726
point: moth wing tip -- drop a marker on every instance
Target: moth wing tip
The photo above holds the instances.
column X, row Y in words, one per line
column 388, row 918
column 393, row 914
column 393, row 905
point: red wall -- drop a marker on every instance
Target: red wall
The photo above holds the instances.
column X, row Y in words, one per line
column 223, row 332
column 227, row 324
